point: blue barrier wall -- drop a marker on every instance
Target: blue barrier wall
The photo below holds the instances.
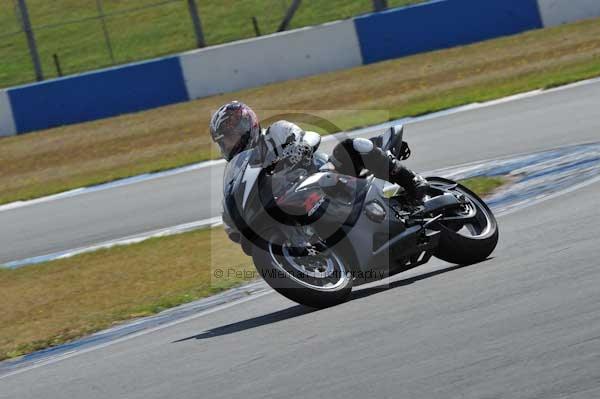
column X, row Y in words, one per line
column 442, row 24
column 363, row 40
column 98, row 94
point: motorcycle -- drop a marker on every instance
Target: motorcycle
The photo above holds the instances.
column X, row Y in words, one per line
column 314, row 233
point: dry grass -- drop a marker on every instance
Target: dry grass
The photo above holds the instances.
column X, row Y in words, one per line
column 55, row 302
column 58, row 159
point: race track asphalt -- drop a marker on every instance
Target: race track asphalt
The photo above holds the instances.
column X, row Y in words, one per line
column 553, row 119
column 524, row 324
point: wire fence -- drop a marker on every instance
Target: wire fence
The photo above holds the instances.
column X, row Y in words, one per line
column 72, row 36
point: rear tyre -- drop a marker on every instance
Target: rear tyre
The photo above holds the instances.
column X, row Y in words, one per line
column 304, row 280
column 466, row 243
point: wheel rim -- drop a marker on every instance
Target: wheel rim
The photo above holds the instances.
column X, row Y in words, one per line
column 323, row 271
column 473, row 219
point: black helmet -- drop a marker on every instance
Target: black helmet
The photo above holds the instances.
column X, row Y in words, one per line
column 234, row 127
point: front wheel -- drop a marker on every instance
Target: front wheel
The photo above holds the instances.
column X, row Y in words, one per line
column 467, row 235
column 320, row 280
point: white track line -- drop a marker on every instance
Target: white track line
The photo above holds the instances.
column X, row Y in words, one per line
column 216, row 221
column 353, row 133
column 73, row 353
column 251, row 297
column 133, row 239
column 213, row 221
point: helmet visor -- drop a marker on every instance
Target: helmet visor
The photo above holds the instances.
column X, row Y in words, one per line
column 232, row 138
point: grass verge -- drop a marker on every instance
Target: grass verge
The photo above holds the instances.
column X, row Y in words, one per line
column 55, row 160
column 55, row 302
column 484, row 185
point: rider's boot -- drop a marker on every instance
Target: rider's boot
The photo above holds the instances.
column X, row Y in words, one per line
column 387, row 167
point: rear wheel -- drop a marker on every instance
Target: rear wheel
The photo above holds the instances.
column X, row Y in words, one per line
column 469, row 234
column 318, row 280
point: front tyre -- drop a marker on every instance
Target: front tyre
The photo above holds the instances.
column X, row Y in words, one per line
column 470, row 234
column 319, row 281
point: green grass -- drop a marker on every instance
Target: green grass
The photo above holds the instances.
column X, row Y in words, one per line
column 484, row 185
column 56, row 302
column 145, row 33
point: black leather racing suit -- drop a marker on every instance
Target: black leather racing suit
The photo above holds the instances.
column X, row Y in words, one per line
column 351, row 156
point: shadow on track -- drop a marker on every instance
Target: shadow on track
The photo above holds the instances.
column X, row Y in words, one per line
column 382, row 287
column 299, row 310
column 270, row 318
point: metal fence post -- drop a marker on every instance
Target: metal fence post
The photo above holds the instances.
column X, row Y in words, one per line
column 289, row 15
column 105, row 31
column 255, row 24
column 193, row 7
column 380, row 5
column 35, row 57
column 57, row 65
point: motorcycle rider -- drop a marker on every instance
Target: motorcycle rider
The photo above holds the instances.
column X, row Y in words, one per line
column 236, row 128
